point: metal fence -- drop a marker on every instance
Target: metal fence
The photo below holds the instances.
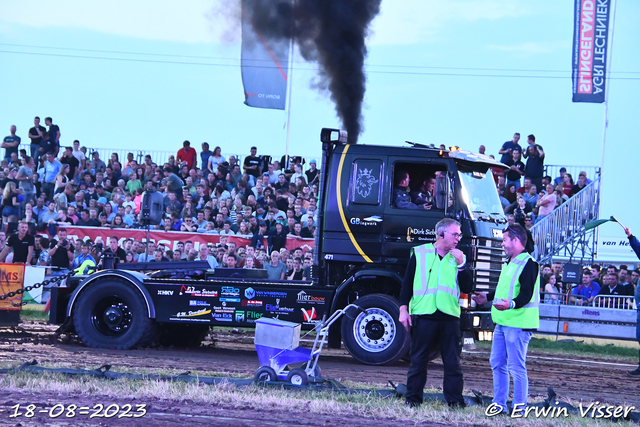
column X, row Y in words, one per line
column 160, row 157
column 592, row 172
column 562, row 232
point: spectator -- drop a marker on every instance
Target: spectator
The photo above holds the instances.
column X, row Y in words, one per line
column 97, row 165
column 534, row 168
column 251, row 165
column 61, row 251
column 312, row 173
column 51, row 168
column 216, row 160
column 24, row 177
column 276, row 270
column 508, row 148
column 203, row 255
column 546, row 203
column 582, row 183
column 10, row 205
column 567, row 184
column 54, row 135
column 296, row 272
column 10, row 143
column 84, row 263
column 35, row 134
column 553, row 294
column 516, row 169
column 587, row 290
column 613, row 288
column 22, row 243
column 559, row 180
column 148, row 256
column 187, row 155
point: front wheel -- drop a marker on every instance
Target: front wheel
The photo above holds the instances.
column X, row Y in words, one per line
column 376, row 336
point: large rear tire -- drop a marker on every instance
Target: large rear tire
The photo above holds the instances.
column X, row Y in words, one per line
column 113, row 314
column 375, row 337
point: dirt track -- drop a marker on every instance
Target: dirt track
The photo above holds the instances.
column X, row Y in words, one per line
column 225, row 352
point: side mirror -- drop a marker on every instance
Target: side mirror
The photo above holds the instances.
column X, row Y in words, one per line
column 442, row 190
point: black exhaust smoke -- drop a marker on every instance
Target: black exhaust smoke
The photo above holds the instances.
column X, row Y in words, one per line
column 330, row 32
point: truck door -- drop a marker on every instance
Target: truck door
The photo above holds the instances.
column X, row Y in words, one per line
column 407, row 223
column 353, row 218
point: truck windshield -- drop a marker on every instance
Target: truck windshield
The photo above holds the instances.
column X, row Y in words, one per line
column 479, row 193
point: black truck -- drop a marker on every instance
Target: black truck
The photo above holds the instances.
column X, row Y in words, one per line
column 361, row 251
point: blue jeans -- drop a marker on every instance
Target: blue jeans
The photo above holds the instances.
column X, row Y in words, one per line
column 509, row 356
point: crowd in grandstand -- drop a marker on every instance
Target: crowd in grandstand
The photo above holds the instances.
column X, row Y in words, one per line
column 258, row 199
column 52, row 187
column 526, row 194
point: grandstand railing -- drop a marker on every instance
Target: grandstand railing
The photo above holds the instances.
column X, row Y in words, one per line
column 159, row 157
column 553, row 171
column 562, row 232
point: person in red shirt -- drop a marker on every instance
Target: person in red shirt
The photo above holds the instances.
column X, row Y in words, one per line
column 187, row 155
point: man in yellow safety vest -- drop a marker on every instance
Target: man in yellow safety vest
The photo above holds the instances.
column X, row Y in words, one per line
column 516, row 315
column 429, row 308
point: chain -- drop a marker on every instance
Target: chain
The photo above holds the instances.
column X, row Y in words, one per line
column 54, row 279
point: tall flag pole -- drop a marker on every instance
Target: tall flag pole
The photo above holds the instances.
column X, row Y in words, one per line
column 591, row 62
column 289, row 93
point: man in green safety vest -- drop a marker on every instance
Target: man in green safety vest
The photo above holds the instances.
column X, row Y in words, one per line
column 516, row 315
column 429, row 308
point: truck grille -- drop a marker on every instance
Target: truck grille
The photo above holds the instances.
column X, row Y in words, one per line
column 489, row 257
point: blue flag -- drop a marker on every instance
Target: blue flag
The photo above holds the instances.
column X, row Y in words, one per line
column 264, row 66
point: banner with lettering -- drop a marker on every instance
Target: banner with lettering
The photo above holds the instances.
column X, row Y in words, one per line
column 590, row 48
column 11, row 278
column 170, row 238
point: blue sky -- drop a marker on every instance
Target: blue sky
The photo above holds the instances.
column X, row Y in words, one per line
column 182, row 81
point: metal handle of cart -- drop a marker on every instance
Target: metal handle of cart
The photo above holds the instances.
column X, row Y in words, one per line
column 322, row 332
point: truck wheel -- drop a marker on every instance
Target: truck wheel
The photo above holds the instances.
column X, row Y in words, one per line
column 265, row 373
column 298, row 376
column 375, row 337
column 113, row 315
column 190, row 336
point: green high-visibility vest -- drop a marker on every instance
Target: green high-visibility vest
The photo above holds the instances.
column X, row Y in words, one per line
column 527, row 317
column 435, row 283
column 85, row 267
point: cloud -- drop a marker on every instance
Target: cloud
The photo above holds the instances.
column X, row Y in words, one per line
column 193, row 21
column 418, row 21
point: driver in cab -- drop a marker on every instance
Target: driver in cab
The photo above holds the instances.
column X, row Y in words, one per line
column 401, row 196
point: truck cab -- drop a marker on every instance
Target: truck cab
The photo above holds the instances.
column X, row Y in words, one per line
column 370, row 222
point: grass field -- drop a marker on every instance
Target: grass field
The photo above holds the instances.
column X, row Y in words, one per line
column 368, row 405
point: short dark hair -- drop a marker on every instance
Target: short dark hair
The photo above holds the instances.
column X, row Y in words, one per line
column 532, row 137
column 400, row 176
column 614, row 275
column 517, row 231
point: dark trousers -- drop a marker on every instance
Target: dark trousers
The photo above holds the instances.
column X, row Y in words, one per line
column 425, row 335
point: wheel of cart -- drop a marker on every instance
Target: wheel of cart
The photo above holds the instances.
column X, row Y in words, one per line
column 277, row 343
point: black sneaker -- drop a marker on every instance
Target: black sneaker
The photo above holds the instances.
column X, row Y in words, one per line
column 635, row 373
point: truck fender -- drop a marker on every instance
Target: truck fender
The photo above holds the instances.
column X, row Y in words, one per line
column 136, row 279
column 339, row 301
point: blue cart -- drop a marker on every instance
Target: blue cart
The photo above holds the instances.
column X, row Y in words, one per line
column 277, row 345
